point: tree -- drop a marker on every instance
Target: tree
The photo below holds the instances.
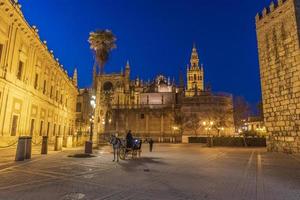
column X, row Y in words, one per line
column 102, row 42
column 179, row 120
column 241, row 111
column 221, row 119
column 193, row 123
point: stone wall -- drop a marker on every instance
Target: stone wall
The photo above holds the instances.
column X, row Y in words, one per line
column 279, row 58
column 208, row 107
column 144, row 122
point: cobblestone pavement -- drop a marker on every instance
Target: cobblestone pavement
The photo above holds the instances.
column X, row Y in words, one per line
column 174, row 171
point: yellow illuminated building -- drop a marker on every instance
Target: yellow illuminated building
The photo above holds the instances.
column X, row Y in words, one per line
column 37, row 97
column 195, row 75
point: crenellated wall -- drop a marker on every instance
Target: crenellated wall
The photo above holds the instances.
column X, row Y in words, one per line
column 279, row 58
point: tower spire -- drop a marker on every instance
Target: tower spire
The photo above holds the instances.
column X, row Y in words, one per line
column 127, row 65
column 194, row 57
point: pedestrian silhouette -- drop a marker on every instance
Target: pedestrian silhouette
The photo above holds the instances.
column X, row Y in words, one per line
column 150, row 144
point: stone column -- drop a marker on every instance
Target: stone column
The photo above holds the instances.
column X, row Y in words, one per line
column 147, row 125
column 136, row 123
column 162, row 126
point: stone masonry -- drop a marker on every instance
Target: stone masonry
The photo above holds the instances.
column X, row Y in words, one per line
column 279, row 57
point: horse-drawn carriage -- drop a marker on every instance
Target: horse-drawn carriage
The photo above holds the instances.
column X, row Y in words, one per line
column 123, row 149
column 134, row 150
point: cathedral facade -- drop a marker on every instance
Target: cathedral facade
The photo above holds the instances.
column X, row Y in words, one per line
column 160, row 109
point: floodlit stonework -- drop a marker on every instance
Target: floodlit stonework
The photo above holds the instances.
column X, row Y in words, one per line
column 159, row 108
column 279, row 57
column 37, row 98
column 195, row 75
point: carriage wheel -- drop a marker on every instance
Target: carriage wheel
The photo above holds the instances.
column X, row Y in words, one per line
column 122, row 153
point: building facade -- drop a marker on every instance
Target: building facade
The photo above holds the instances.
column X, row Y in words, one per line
column 195, row 75
column 254, row 126
column 159, row 108
column 279, row 57
column 84, row 112
column 37, row 98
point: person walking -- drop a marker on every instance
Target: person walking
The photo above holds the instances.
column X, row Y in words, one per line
column 150, row 144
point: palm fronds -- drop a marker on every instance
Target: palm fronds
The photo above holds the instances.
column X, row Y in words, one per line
column 102, row 42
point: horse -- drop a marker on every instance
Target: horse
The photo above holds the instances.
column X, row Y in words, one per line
column 116, row 144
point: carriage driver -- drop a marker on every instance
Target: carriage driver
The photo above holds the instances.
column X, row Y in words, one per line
column 129, row 139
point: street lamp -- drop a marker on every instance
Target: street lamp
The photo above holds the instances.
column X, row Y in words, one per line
column 175, row 129
column 93, row 105
column 208, row 125
column 89, row 144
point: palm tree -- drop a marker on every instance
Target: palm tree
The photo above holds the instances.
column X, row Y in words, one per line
column 102, row 42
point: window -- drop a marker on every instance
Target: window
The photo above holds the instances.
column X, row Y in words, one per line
column 14, row 125
column 61, row 98
column 20, row 70
column 78, row 107
column 200, row 78
column 1, row 50
column 195, row 78
column 54, row 129
column 36, row 79
column 59, row 130
column 56, row 96
column 41, row 128
column 51, row 91
column 142, row 116
column 31, row 127
column 44, row 87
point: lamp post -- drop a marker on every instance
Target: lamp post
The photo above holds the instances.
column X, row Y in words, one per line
column 175, row 129
column 208, row 126
column 89, row 144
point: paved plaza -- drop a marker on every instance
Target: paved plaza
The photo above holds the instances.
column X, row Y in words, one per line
column 172, row 171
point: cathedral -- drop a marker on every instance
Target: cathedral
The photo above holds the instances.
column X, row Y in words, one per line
column 160, row 109
column 38, row 98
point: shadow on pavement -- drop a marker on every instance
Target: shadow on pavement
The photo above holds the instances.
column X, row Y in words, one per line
column 132, row 164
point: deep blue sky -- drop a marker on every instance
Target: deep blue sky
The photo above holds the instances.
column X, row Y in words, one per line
column 156, row 36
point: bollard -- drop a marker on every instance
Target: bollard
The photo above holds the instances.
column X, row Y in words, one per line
column 209, row 141
column 28, row 147
column 44, row 149
column 69, row 140
column 20, row 153
column 88, row 147
column 58, row 143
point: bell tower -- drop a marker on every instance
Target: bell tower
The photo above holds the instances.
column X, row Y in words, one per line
column 195, row 75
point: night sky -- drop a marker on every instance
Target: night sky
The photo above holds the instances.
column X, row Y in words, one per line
column 156, row 36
